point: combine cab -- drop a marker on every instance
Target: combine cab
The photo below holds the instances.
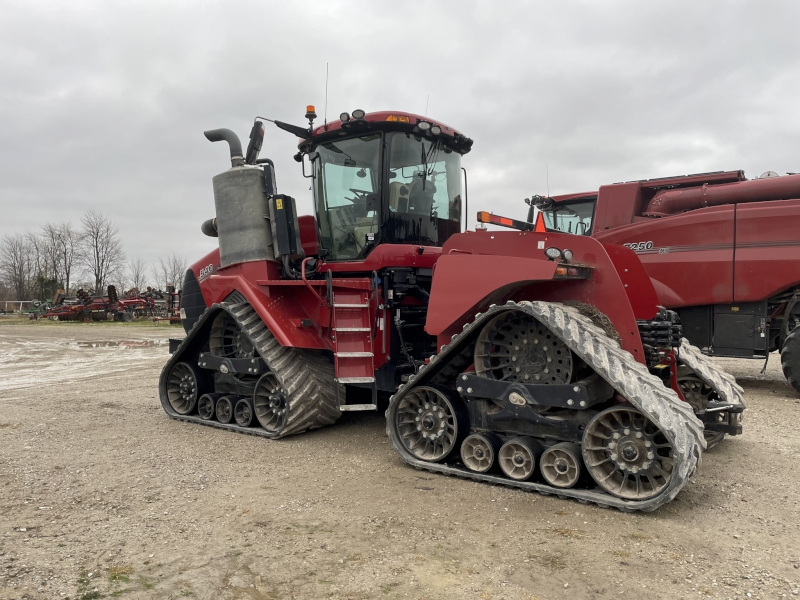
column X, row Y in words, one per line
column 533, row 359
column 721, row 250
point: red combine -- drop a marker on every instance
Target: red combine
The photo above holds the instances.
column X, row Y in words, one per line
column 533, row 359
column 721, row 250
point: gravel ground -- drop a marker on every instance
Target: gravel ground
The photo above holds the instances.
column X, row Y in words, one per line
column 102, row 495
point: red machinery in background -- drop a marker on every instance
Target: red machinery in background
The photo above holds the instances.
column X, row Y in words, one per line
column 534, row 359
column 721, row 250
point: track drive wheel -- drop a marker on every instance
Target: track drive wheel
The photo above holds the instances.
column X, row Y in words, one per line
column 183, row 387
column 515, row 347
column 790, row 358
column 627, row 454
column 430, row 421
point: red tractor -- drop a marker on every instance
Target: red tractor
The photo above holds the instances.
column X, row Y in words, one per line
column 722, row 251
column 533, row 359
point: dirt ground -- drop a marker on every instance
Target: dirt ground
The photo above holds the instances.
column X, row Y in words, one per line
column 102, row 495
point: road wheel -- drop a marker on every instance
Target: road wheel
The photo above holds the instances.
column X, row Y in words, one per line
column 790, row 358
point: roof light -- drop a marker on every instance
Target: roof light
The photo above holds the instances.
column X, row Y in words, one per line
column 552, row 253
column 398, row 118
column 424, row 125
column 358, row 114
column 344, row 117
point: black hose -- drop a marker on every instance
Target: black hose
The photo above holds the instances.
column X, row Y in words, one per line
column 226, row 135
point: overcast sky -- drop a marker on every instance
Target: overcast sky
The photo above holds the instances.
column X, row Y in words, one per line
column 103, row 104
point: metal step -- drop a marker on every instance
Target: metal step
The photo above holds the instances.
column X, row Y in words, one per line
column 357, row 407
column 356, row 379
column 353, row 354
column 350, row 305
column 352, row 329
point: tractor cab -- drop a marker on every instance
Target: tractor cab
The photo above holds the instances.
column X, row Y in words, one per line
column 384, row 178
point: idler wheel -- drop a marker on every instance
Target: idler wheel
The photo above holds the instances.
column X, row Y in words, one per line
column 183, row 386
column 430, row 421
column 224, row 409
column 243, row 412
column 627, row 454
column 207, row 405
column 478, row 451
column 518, row 456
column 561, row 465
column 515, row 347
column 270, row 403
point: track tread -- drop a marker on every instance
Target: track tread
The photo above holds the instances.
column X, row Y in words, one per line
column 722, row 382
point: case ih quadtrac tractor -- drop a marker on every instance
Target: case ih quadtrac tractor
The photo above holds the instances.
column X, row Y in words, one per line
column 528, row 358
column 722, row 251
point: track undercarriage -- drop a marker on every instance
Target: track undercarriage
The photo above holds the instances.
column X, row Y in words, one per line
column 593, row 424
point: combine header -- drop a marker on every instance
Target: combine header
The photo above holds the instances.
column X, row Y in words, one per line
column 532, row 359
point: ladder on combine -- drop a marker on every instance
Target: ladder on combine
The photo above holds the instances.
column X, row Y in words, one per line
column 352, row 343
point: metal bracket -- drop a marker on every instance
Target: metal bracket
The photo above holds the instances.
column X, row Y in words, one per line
column 577, row 396
column 245, row 366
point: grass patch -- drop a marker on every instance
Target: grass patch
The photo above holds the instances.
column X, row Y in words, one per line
column 388, row 587
column 122, row 592
column 568, row 533
column 119, row 573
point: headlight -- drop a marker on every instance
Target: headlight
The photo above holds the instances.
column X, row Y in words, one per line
column 436, row 130
column 358, row 114
column 567, row 255
column 552, row 253
column 344, row 117
column 424, row 125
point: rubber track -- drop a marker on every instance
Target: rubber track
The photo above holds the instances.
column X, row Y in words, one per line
column 722, row 382
column 645, row 391
column 307, row 377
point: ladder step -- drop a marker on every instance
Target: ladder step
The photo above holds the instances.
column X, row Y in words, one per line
column 355, row 407
column 350, row 305
column 355, row 379
column 353, row 354
column 352, row 329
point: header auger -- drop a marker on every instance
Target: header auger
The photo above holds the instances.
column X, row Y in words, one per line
column 532, row 359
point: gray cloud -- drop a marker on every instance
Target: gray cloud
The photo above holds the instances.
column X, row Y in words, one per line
column 104, row 104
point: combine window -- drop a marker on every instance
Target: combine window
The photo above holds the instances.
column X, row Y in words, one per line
column 570, row 217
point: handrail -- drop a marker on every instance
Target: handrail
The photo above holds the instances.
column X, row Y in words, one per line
column 308, row 285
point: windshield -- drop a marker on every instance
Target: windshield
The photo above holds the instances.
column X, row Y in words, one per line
column 570, row 217
column 347, row 179
column 424, row 197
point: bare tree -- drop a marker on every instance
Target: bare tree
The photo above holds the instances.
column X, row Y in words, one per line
column 66, row 242
column 17, row 264
column 137, row 272
column 170, row 270
column 100, row 249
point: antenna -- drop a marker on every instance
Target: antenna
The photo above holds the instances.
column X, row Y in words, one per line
column 326, row 96
column 547, row 174
column 426, row 104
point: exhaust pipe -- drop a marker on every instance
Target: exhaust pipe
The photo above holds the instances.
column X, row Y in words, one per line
column 226, row 135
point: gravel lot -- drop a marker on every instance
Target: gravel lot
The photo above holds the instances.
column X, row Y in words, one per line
column 102, row 495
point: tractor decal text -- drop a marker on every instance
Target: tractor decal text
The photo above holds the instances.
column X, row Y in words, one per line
column 206, row 271
column 638, row 246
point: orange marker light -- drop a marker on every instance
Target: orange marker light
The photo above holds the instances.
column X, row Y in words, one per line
column 310, row 108
column 398, row 119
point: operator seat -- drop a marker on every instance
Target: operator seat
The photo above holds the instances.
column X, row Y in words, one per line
column 420, row 201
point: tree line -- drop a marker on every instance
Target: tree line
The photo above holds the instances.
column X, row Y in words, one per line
column 35, row 264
